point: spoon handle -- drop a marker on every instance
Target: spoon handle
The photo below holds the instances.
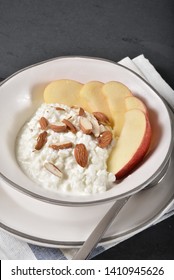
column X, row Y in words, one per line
column 99, row 230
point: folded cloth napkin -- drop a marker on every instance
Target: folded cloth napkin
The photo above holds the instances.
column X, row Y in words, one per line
column 14, row 249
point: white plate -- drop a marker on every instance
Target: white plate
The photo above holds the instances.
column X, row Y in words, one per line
column 58, row 226
column 22, row 93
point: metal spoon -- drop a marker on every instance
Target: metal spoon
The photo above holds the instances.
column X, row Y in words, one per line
column 99, row 230
column 105, row 222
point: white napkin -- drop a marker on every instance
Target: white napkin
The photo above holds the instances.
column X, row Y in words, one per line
column 15, row 249
column 144, row 68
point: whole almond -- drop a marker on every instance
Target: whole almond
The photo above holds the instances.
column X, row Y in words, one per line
column 61, row 127
column 81, row 154
column 70, row 126
column 105, row 139
column 85, row 125
column 41, row 140
column 53, row 169
column 43, row 123
column 101, row 117
column 61, row 146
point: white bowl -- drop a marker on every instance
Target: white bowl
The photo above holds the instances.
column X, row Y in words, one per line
column 22, row 93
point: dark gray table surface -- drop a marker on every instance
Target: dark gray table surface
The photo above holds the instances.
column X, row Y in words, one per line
column 36, row 30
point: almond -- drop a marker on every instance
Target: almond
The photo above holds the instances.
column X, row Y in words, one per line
column 53, row 169
column 95, row 127
column 101, row 117
column 61, row 146
column 105, row 128
column 81, row 155
column 43, row 123
column 59, row 109
column 85, row 125
column 80, row 110
column 41, row 140
column 74, row 107
column 60, row 127
column 70, row 126
column 105, row 139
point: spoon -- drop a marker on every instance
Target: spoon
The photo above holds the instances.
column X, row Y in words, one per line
column 100, row 229
column 105, row 222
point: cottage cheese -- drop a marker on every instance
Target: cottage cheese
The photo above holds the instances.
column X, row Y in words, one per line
column 92, row 179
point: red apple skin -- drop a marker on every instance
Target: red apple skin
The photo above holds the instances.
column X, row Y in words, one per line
column 139, row 154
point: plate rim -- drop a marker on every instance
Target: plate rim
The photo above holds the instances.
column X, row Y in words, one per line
column 102, row 200
column 76, row 244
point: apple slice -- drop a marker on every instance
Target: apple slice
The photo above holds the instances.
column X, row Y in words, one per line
column 94, row 100
column 63, row 92
column 132, row 145
column 133, row 102
column 115, row 93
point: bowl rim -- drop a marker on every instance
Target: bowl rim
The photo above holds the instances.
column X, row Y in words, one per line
column 42, row 198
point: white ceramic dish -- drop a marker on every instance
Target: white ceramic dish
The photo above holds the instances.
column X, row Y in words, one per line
column 22, row 93
column 43, row 224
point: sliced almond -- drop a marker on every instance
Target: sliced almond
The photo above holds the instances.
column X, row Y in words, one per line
column 41, row 140
column 101, row 117
column 70, row 126
column 70, row 117
column 61, row 146
column 105, row 139
column 43, row 123
column 74, row 107
column 105, row 128
column 81, row 112
column 53, row 169
column 59, row 109
column 60, row 127
column 95, row 127
column 81, row 155
column 85, row 125
column 102, row 128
